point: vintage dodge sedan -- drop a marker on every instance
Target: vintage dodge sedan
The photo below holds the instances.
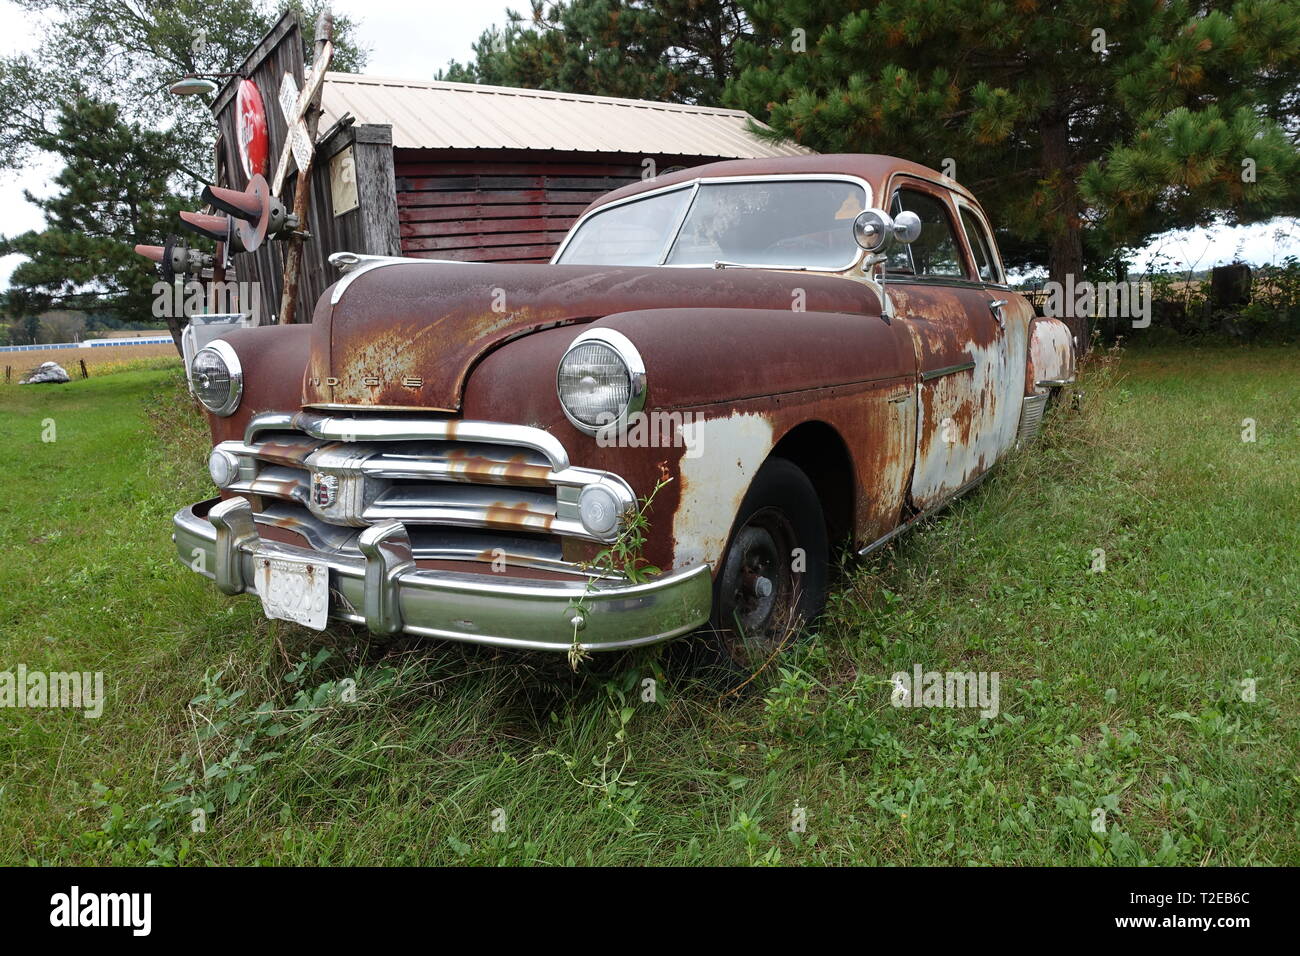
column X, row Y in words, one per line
column 785, row 355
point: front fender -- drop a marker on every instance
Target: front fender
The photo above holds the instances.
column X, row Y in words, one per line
column 698, row 357
column 274, row 359
column 745, row 376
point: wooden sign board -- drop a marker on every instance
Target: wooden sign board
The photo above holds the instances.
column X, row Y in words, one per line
column 343, row 182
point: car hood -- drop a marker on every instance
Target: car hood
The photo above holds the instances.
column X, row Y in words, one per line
column 406, row 334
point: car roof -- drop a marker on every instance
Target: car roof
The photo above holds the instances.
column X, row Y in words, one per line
column 874, row 168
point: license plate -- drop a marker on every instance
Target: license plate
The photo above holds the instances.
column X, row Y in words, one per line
column 297, row 591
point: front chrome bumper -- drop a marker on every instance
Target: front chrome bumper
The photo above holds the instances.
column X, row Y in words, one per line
column 385, row 590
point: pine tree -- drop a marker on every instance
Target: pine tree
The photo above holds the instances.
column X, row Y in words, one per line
column 114, row 191
column 666, row 50
column 1085, row 126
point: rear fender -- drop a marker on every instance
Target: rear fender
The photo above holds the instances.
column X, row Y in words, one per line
column 1051, row 356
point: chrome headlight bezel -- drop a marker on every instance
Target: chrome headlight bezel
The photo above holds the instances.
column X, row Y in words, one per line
column 230, row 359
column 626, row 352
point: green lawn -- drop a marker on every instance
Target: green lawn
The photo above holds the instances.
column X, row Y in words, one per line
column 1120, row 691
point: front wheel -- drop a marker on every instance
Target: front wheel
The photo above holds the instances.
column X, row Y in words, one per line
column 773, row 576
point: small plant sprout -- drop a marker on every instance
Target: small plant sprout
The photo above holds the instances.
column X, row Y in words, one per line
column 623, row 558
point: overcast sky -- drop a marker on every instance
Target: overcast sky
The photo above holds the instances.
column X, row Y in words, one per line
column 414, row 40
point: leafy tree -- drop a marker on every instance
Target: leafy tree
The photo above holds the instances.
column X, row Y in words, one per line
column 128, row 52
column 666, row 50
column 113, row 192
column 1128, row 118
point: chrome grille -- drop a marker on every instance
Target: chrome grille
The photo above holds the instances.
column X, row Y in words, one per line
column 465, row 490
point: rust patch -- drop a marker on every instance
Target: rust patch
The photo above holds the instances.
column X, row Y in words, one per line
column 501, row 515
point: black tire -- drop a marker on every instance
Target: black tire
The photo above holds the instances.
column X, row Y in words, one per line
column 751, row 620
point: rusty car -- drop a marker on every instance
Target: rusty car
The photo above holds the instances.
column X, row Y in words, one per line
column 817, row 351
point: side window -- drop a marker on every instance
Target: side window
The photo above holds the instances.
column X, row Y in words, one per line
column 981, row 246
column 935, row 253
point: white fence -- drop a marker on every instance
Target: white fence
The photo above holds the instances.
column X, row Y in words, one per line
column 90, row 344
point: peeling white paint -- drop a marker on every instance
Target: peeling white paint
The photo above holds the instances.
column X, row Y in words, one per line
column 1051, row 352
column 998, row 376
column 714, row 484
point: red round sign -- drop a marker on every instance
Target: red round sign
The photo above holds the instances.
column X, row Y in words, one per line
column 250, row 129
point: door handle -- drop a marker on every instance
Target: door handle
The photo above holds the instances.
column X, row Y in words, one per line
column 996, row 308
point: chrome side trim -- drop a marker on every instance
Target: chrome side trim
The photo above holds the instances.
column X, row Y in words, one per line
column 946, row 370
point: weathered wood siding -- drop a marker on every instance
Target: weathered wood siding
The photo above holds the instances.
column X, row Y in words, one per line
column 370, row 228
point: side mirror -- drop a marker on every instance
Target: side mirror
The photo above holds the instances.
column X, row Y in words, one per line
column 874, row 229
column 907, row 227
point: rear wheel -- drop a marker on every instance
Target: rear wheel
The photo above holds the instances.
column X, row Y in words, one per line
column 773, row 575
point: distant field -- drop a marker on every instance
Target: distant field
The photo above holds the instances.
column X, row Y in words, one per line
column 23, row 362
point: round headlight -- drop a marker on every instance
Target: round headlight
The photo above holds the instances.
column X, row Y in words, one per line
column 217, row 379
column 601, row 380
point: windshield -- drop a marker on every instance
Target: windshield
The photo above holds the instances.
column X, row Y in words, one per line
column 801, row 223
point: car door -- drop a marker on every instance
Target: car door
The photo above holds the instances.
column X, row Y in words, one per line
column 960, row 342
column 1013, row 314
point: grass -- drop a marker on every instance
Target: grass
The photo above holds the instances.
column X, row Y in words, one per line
column 234, row 740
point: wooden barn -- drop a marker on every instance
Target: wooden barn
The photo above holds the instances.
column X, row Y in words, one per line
column 450, row 170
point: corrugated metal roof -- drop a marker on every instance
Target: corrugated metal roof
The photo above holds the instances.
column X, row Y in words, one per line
column 436, row 115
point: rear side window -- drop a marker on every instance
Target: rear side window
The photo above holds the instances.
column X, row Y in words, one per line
column 981, row 246
column 935, row 253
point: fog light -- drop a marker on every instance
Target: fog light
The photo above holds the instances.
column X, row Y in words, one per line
column 223, row 467
column 601, row 507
